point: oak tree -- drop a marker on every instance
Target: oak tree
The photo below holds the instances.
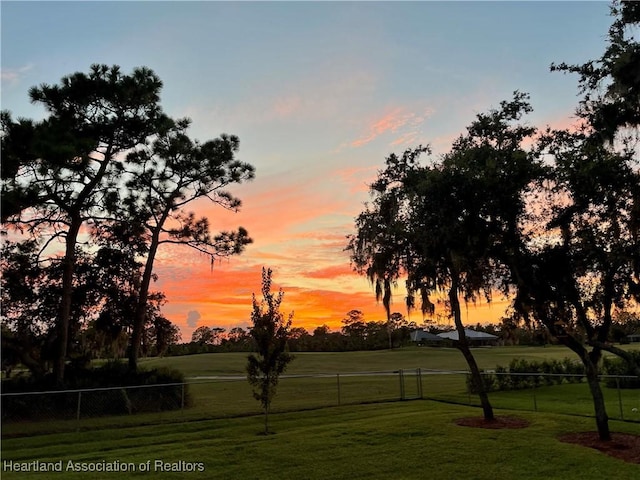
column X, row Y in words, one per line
column 438, row 224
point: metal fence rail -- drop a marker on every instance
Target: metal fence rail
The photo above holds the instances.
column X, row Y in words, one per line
column 224, row 396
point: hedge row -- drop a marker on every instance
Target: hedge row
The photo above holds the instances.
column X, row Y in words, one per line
column 523, row 374
column 117, row 390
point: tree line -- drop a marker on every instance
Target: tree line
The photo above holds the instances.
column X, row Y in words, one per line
column 374, row 335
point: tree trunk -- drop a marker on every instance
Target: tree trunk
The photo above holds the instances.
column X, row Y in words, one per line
column 590, row 362
column 143, row 294
column 64, row 317
column 139, row 318
column 463, row 346
column 602, row 420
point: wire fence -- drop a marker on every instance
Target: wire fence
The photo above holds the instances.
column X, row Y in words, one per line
column 226, row 396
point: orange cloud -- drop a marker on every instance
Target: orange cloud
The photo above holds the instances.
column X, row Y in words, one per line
column 299, row 226
column 317, row 296
column 330, row 272
column 358, row 179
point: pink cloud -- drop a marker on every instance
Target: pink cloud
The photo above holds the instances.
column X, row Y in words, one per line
column 357, row 179
column 392, row 122
column 14, row 75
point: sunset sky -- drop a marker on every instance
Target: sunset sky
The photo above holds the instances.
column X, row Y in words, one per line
column 319, row 94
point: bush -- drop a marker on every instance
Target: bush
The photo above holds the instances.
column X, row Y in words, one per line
column 619, row 366
column 141, row 391
column 522, row 374
column 488, row 379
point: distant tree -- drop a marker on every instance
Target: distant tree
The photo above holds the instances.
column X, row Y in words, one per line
column 163, row 334
column 396, row 321
column 237, row 334
column 625, row 323
column 270, row 333
column 202, row 335
column 321, row 330
column 237, row 339
column 376, row 335
column 102, row 305
column 28, row 313
column 67, row 171
column 218, row 334
column 322, row 339
column 299, row 339
column 354, row 328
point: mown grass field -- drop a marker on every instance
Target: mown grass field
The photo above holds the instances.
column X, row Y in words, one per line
column 343, row 362
column 325, row 431
column 229, row 395
column 401, row 440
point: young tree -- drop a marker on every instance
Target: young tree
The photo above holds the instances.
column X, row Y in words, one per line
column 166, row 176
column 69, row 169
column 270, row 333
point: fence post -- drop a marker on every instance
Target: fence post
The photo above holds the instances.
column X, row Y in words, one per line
column 78, row 410
column 182, row 399
column 619, row 398
column 401, row 377
column 535, row 399
column 419, row 371
column 338, row 382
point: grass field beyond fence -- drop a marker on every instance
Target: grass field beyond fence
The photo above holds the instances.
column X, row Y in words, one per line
column 218, row 389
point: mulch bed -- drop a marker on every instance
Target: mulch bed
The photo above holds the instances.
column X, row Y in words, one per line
column 622, row 445
column 497, row 422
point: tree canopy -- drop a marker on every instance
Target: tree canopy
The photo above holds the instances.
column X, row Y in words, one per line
column 108, row 174
column 439, row 224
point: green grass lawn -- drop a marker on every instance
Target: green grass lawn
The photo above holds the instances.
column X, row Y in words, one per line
column 339, row 426
column 211, row 399
column 400, row 440
column 342, row 362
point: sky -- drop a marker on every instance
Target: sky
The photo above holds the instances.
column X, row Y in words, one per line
column 319, row 93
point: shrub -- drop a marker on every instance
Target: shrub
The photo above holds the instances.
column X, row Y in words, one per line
column 619, row 366
column 489, row 380
column 142, row 391
column 523, row 374
column 503, row 379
